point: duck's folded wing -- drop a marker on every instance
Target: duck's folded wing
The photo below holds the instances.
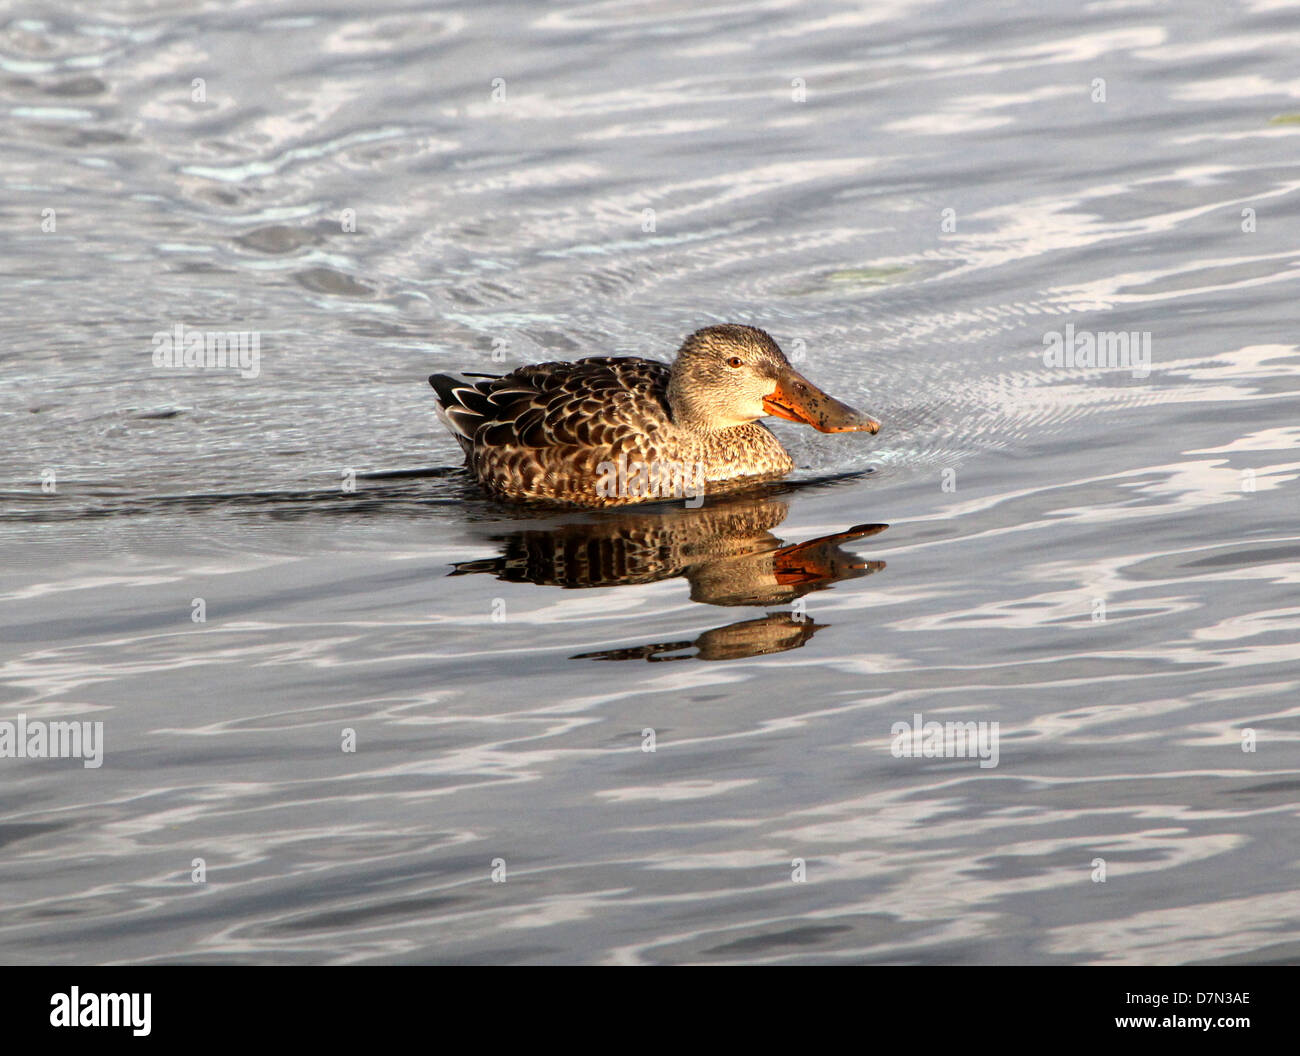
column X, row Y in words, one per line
column 591, row 403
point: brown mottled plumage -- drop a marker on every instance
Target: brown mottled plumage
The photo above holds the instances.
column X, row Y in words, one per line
column 612, row 431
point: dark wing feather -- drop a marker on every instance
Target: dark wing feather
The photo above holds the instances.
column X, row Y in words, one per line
column 590, row 403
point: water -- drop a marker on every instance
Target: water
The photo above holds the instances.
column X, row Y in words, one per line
column 1102, row 561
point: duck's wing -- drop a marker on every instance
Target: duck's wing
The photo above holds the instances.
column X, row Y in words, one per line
column 591, row 403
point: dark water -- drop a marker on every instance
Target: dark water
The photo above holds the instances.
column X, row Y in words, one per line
column 1103, row 561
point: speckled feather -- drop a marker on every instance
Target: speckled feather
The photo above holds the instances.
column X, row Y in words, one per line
column 542, row 432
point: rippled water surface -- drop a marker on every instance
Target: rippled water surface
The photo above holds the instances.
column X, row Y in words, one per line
column 910, row 197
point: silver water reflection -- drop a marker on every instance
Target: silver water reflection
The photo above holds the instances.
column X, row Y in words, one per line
column 910, row 195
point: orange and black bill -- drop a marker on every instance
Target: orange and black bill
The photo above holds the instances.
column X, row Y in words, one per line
column 799, row 400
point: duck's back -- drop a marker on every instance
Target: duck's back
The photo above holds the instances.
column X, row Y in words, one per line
column 543, row 431
column 562, row 432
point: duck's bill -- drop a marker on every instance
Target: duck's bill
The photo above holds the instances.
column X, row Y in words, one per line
column 799, row 400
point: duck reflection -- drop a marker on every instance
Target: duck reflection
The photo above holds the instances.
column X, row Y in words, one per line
column 774, row 633
column 725, row 550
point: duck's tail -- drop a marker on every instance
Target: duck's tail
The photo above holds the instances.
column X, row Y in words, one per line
column 462, row 404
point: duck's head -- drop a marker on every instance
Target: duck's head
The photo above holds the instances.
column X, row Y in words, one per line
column 729, row 375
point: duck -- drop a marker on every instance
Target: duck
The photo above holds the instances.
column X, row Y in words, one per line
column 621, row 430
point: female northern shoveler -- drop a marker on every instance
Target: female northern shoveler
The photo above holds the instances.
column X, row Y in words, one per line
column 612, row 431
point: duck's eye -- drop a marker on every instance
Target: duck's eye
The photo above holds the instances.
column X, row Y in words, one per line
column 735, row 361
